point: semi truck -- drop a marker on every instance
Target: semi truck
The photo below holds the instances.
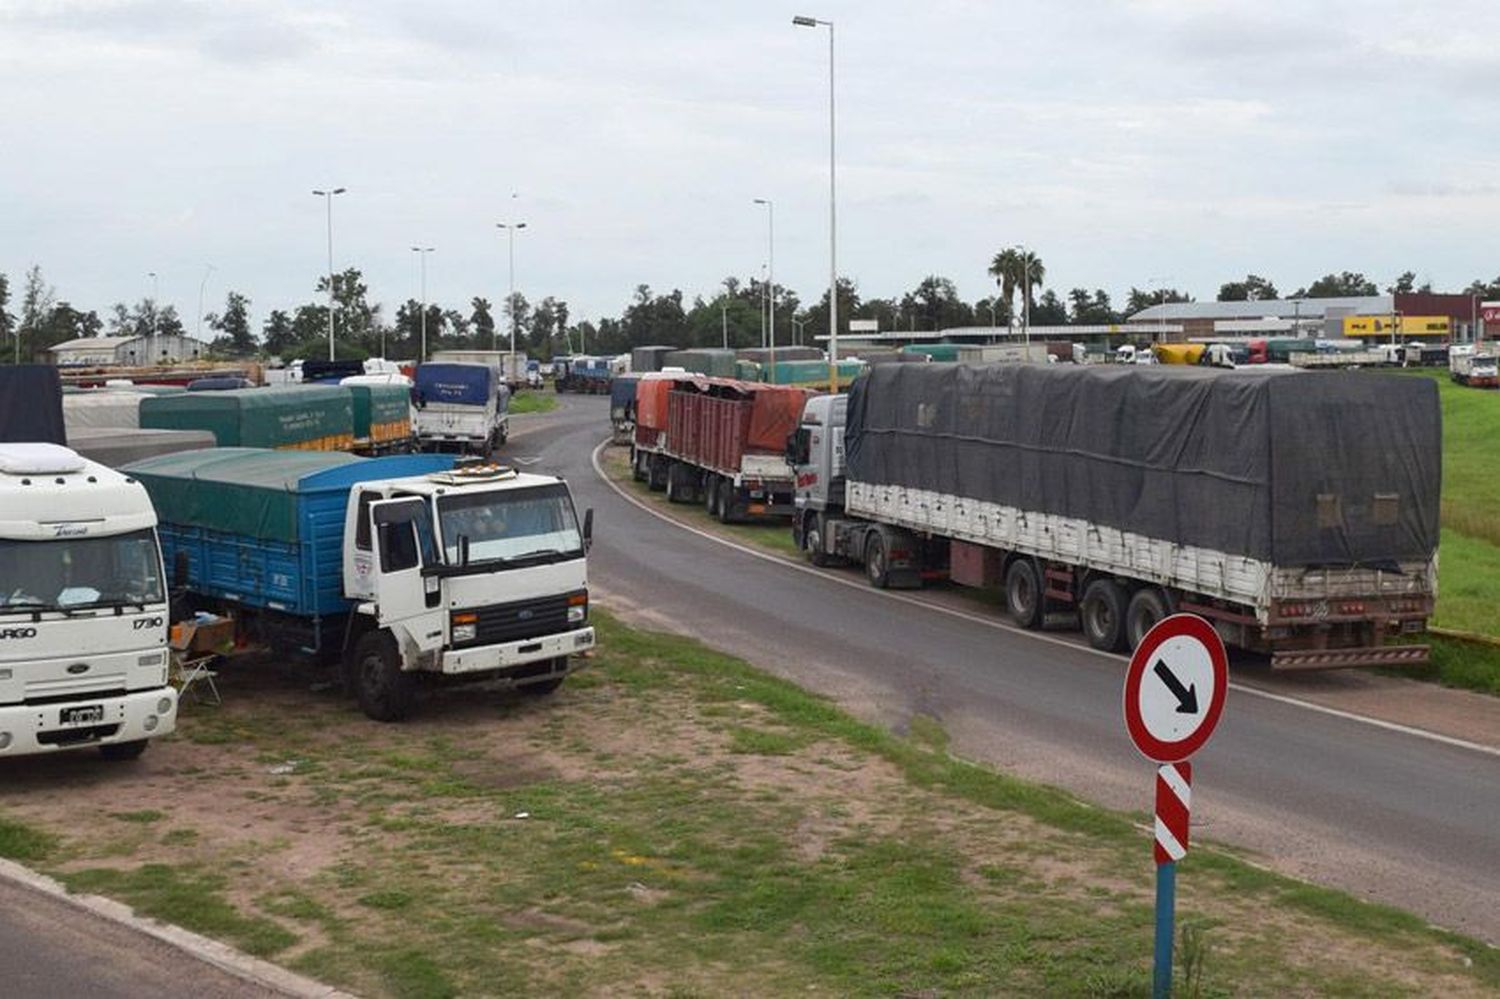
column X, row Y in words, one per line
column 84, row 660
column 460, row 407
column 622, row 409
column 401, row 568
column 718, row 441
column 1302, row 524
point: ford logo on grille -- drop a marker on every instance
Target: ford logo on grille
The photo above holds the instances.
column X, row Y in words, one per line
column 77, row 668
column 525, row 615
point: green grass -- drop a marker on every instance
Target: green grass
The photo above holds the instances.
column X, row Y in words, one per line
column 532, row 401
column 22, row 842
column 188, row 896
column 695, row 826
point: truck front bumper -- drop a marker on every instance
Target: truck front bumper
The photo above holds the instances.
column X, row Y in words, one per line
column 38, row 728
column 509, row 655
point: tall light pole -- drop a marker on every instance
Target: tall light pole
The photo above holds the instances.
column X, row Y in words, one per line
column 1025, row 295
column 723, row 319
column 771, row 255
column 421, row 252
column 155, row 293
column 202, row 287
column 510, row 236
column 833, row 242
column 327, row 196
column 762, row 306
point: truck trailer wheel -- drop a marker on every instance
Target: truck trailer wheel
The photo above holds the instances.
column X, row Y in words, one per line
column 877, row 562
column 656, row 473
column 1147, row 606
column 1023, row 593
column 1102, row 613
column 677, row 490
column 711, row 495
column 385, row 692
column 813, row 532
column 123, row 750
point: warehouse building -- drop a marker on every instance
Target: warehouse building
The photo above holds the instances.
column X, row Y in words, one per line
column 127, row 351
column 1404, row 316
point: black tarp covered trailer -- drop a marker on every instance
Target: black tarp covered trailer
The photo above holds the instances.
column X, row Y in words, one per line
column 1293, row 469
column 31, row 404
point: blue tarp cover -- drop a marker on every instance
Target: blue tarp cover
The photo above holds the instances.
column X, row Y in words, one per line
column 465, row 384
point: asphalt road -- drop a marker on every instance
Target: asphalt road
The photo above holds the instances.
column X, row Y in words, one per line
column 49, row 948
column 1390, row 816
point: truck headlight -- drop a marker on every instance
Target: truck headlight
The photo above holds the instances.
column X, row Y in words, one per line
column 578, row 607
column 465, row 627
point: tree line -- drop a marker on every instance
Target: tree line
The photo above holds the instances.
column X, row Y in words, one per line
column 736, row 315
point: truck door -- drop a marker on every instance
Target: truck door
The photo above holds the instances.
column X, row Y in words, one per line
column 405, row 595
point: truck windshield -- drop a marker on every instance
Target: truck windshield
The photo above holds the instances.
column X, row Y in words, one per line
column 511, row 526
column 66, row 573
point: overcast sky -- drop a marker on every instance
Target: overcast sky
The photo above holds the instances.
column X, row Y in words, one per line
column 1125, row 142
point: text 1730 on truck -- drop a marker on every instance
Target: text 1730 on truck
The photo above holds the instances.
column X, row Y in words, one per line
column 404, row 567
column 717, row 441
column 1297, row 513
column 83, row 608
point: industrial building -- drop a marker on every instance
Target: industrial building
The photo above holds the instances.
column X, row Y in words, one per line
column 127, row 351
column 1402, row 316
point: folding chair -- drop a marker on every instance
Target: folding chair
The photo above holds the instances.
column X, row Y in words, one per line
column 191, row 670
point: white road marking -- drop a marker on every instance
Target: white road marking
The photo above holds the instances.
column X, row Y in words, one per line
column 1420, row 733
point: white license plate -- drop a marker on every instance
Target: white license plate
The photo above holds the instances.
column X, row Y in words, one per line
column 89, row 714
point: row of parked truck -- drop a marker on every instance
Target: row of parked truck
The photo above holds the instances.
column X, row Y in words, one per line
column 1299, row 516
column 398, row 568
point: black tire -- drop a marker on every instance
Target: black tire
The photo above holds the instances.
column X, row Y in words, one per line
column 1023, row 594
column 710, row 494
column 1102, row 614
column 385, row 692
column 656, row 474
column 1147, row 606
column 726, row 509
column 676, row 487
column 638, row 466
column 877, row 562
column 122, row 751
column 813, row 532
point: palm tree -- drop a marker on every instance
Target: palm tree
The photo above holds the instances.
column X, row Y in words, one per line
column 1014, row 267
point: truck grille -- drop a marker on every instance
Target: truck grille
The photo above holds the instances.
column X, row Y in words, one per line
column 64, row 689
column 518, row 621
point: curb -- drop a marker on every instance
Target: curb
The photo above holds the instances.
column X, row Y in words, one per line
column 212, row 952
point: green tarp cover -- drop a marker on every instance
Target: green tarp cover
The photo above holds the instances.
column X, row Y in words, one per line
column 377, row 404
column 240, row 490
column 258, row 417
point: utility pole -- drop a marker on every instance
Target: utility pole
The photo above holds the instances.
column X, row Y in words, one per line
column 510, row 234
column 833, row 242
column 421, row 252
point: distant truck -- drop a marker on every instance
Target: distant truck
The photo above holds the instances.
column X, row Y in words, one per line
column 83, row 607
column 1303, row 525
column 622, row 409
column 402, row 567
column 587, row 375
column 460, row 407
column 511, row 367
column 1475, row 366
column 717, row 441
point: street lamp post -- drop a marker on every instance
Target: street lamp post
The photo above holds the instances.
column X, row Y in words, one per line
column 797, row 325
column 833, row 254
column 771, row 255
column 155, row 293
column 327, row 197
column 724, row 318
column 421, row 252
column 510, row 236
column 202, row 287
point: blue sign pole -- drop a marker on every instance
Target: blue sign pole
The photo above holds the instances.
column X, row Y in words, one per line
column 1166, row 904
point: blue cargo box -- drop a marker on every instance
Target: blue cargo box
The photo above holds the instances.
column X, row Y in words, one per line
column 265, row 528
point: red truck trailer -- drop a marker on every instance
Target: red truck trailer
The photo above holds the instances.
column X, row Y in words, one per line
column 717, row 441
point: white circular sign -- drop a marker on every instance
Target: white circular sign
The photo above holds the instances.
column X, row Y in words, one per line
column 1174, row 688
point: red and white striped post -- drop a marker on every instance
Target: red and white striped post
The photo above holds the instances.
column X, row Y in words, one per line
column 1174, row 793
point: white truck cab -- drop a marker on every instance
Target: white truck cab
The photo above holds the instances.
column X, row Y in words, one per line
column 478, row 572
column 83, row 608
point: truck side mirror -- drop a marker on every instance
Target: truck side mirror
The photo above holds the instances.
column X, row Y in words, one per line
column 180, row 570
column 588, row 529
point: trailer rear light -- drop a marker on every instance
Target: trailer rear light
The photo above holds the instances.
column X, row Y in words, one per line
column 1294, row 610
column 1351, row 607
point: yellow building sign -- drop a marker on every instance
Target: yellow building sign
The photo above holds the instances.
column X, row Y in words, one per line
column 1398, row 326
